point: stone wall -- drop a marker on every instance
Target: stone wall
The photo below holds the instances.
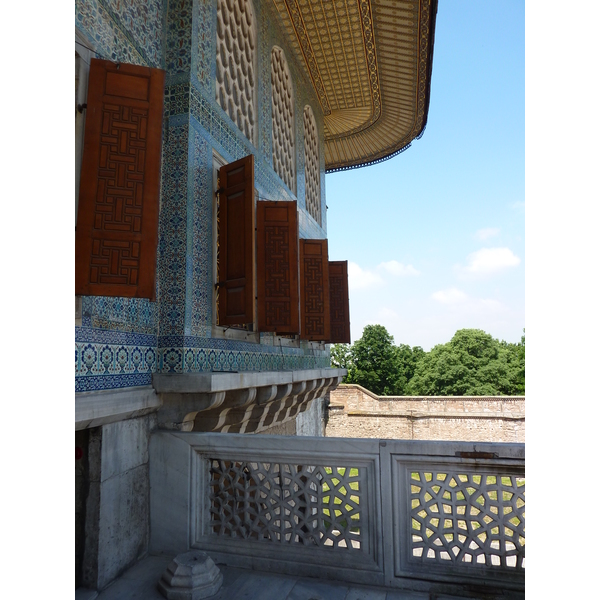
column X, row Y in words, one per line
column 117, row 504
column 357, row 413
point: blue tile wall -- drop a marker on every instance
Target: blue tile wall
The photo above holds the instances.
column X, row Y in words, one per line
column 124, row 30
column 123, row 341
column 107, row 359
column 178, row 55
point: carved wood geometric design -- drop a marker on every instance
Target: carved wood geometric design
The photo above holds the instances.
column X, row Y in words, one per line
column 339, row 302
column 468, row 519
column 117, row 225
column 277, row 267
column 314, row 291
column 302, row 505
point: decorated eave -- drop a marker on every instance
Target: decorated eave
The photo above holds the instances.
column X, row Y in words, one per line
column 370, row 64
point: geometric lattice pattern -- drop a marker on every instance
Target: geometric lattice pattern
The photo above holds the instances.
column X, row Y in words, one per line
column 287, row 503
column 314, row 306
column 468, row 518
column 236, row 80
column 118, row 206
column 277, row 276
column 282, row 100
column 311, row 169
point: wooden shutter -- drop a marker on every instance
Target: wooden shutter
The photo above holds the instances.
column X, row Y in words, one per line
column 277, row 267
column 314, row 291
column 236, row 242
column 338, row 302
column 117, row 221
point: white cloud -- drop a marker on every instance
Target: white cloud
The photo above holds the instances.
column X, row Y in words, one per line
column 486, row 233
column 518, row 206
column 449, row 296
column 488, row 261
column 393, row 267
column 359, row 278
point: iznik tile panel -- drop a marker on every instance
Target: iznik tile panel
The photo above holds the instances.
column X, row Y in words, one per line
column 122, row 341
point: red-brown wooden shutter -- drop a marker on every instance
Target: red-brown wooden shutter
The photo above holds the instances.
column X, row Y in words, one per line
column 117, row 221
column 236, row 242
column 277, row 267
column 314, row 291
column 338, row 302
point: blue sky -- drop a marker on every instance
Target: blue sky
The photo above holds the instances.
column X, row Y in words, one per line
column 435, row 237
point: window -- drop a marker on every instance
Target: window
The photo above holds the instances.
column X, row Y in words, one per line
column 277, row 266
column 233, row 249
column 338, row 302
column 312, row 172
column 314, row 291
column 266, row 278
column 236, row 55
column 83, row 56
column 282, row 103
column 117, row 217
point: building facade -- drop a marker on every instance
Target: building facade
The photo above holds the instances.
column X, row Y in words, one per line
column 205, row 300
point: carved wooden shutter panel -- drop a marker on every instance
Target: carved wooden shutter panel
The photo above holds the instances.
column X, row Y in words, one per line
column 236, row 242
column 277, row 267
column 314, row 291
column 339, row 302
column 117, row 221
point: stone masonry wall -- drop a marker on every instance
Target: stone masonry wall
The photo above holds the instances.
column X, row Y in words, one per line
column 117, row 520
column 355, row 412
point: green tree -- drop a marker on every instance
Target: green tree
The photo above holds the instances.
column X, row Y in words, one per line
column 407, row 360
column 517, row 364
column 376, row 362
column 472, row 363
column 341, row 356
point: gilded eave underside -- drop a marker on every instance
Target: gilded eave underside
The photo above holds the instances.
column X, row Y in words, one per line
column 370, row 64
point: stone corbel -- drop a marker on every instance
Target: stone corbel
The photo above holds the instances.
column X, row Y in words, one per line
column 243, row 408
column 178, row 411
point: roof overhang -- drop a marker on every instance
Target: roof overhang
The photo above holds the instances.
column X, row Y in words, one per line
column 370, row 64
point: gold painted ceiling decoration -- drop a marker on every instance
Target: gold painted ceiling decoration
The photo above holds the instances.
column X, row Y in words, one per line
column 370, row 64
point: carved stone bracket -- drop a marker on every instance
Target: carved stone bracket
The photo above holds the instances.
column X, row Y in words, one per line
column 250, row 402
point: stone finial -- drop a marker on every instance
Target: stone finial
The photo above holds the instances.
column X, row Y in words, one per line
column 190, row 576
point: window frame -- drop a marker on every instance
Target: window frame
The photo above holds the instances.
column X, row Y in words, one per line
column 230, row 332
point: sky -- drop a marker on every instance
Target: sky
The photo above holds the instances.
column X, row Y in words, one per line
column 435, row 237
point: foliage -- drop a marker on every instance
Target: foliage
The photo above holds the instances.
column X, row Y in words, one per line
column 472, row 363
column 376, row 363
column 341, row 357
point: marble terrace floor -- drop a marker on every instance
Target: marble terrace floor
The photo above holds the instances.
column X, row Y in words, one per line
column 139, row 583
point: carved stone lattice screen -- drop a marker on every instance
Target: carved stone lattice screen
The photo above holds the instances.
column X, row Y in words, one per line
column 368, row 511
column 282, row 103
column 468, row 518
column 459, row 517
column 311, row 165
column 307, row 505
column 235, row 73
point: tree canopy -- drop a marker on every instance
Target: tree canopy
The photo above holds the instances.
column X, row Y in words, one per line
column 472, row 363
